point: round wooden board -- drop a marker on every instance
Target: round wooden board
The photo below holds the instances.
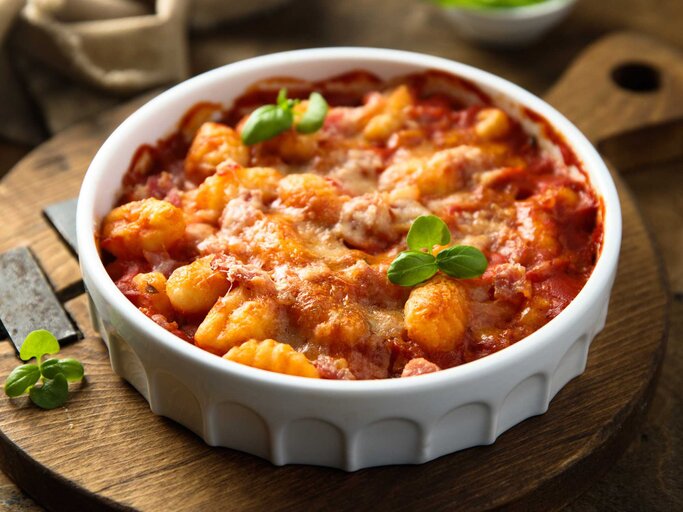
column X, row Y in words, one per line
column 106, row 450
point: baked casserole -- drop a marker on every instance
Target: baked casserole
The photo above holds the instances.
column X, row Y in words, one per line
column 276, row 254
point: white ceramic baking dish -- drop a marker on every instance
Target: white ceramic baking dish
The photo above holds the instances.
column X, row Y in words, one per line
column 343, row 424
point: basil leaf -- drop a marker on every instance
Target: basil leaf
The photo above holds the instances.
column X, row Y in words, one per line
column 51, row 394
column 37, row 344
column 411, row 268
column 426, row 232
column 21, row 378
column 265, row 123
column 314, row 117
column 70, row 368
column 282, row 98
column 462, row 261
column 49, row 368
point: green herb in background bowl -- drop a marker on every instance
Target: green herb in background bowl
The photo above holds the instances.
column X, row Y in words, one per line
column 487, row 4
column 504, row 22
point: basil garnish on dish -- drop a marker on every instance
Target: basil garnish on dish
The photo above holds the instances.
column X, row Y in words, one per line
column 418, row 263
column 314, row 117
column 462, row 261
column 269, row 121
column 411, row 268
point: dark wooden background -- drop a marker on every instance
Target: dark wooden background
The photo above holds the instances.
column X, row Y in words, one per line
column 650, row 475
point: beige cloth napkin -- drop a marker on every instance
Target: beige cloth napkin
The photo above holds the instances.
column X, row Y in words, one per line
column 118, row 46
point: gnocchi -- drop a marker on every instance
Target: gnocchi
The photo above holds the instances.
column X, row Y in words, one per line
column 381, row 126
column 236, row 318
column 195, row 288
column 436, row 314
column 492, row 123
column 314, row 194
column 152, row 293
column 214, row 144
column 208, row 200
column 149, row 225
column 274, row 357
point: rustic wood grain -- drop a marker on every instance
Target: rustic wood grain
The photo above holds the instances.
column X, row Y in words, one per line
column 648, row 475
column 612, row 109
column 105, row 449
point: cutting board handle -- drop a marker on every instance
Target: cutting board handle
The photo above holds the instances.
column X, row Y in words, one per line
column 624, row 82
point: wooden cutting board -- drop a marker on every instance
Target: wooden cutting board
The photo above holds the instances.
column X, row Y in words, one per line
column 105, row 450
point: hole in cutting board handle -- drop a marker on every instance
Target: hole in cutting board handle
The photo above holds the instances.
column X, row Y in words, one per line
column 636, row 77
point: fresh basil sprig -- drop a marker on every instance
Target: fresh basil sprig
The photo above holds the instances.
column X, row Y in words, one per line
column 51, row 394
column 71, row 368
column 54, row 374
column 265, row 123
column 21, row 379
column 427, row 231
column 418, row 263
column 462, row 261
column 411, row 268
column 315, row 114
column 269, row 121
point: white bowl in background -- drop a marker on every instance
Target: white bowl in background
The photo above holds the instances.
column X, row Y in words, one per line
column 513, row 26
column 343, row 424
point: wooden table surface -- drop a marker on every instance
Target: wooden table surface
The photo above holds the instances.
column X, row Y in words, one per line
column 649, row 475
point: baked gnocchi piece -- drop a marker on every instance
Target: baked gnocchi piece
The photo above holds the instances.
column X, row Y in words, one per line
column 193, row 289
column 399, row 99
column 149, row 225
column 296, row 148
column 272, row 356
column 443, row 173
column 152, row 293
column 436, row 314
column 345, row 325
column 492, row 123
column 323, row 312
column 248, row 233
column 401, row 175
column 447, row 170
column 214, row 144
column 263, row 179
column 415, row 175
column 318, row 197
column 381, row 126
column 208, row 200
column 236, row 318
